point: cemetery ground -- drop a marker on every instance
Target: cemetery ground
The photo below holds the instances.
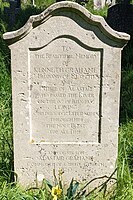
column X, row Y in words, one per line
column 9, row 189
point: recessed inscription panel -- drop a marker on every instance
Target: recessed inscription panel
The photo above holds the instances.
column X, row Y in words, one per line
column 65, row 92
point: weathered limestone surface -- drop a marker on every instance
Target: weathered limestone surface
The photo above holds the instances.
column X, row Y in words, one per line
column 66, row 66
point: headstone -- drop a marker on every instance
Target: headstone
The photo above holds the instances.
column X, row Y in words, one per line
column 98, row 4
column 65, row 87
column 120, row 17
column 13, row 11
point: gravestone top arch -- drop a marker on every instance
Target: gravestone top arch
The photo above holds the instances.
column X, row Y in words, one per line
column 35, row 20
column 66, row 69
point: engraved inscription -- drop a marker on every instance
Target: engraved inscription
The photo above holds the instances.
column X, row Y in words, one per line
column 66, row 159
column 65, row 90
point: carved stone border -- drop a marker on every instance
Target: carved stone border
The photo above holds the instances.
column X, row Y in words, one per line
column 35, row 20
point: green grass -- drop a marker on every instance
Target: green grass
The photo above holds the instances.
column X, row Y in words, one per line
column 6, row 152
column 125, row 162
column 12, row 191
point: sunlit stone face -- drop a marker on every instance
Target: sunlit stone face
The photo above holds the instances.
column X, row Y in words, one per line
column 65, row 89
column 65, row 92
